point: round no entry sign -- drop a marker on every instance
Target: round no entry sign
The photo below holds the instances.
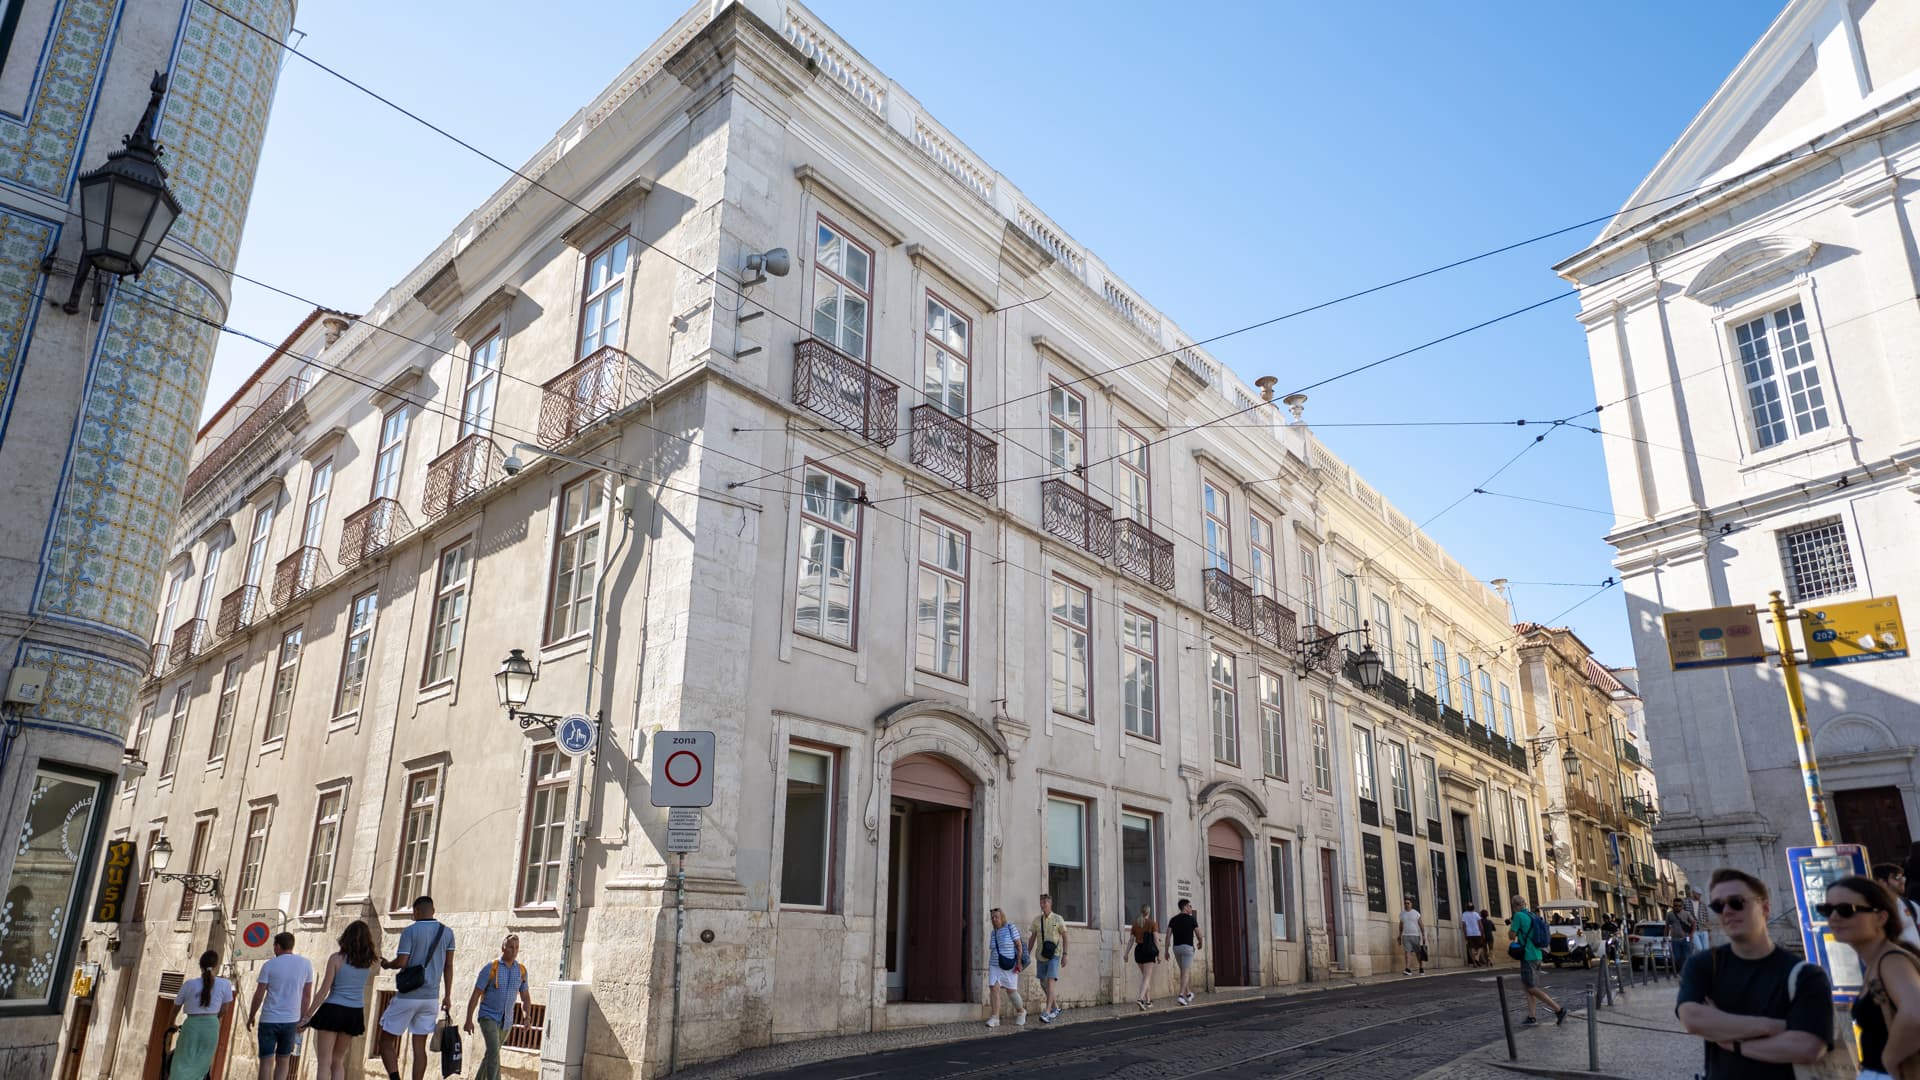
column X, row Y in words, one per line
column 682, row 768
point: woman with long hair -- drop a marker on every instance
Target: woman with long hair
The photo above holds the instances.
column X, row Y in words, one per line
column 1146, row 953
column 203, row 1000
column 1865, row 916
column 339, row 1015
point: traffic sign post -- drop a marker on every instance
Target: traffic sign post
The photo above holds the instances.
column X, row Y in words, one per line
column 1853, row 632
column 256, row 929
column 1711, row 637
column 682, row 768
column 1814, row 869
column 576, row 735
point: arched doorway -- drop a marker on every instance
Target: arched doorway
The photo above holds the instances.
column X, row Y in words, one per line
column 929, row 868
column 1227, row 895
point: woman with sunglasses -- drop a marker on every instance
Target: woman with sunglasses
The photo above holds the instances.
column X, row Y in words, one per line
column 1865, row 915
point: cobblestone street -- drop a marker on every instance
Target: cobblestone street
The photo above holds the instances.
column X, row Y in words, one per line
column 1393, row 1029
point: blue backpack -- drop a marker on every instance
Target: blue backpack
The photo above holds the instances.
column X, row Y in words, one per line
column 1537, row 930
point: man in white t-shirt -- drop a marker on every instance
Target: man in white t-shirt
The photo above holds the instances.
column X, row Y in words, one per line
column 1413, row 935
column 280, row 999
column 1470, row 928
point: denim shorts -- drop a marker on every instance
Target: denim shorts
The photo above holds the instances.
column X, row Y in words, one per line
column 1046, row 969
column 276, row 1040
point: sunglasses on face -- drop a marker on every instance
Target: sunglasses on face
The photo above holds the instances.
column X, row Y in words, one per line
column 1845, row 911
column 1731, row 903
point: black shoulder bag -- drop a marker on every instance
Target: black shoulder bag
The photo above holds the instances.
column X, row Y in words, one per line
column 414, row 976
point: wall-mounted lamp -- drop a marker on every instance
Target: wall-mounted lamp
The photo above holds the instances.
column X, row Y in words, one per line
column 775, row 262
column 126, row 208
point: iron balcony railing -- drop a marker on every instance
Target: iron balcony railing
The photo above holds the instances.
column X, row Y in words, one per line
column 238, row 609
column 1644, row 873
column 187, row 639
column 1425, row 707
column 1076, row 517
column 948, row 446
column 1143, row 553
column 605, row 382
column 298, row 574
column 266, row 412
column 845, row 391
column 1640, row 810
column 1395, row 689
column 1227, row 598
column 156, row 659
column 1629, row 753
column 460, row 474
column 1275, row 624
column 370, row 530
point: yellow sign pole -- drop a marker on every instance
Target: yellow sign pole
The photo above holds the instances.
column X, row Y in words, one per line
column 1797, row 708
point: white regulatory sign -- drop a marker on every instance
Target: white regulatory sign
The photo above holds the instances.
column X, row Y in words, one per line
column 683, row 839
column 684, row 817
column 683, row 770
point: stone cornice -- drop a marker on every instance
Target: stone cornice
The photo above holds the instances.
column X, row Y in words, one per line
column 608, row 216
column 923, row 258
column 815, row 183
column 484, row 314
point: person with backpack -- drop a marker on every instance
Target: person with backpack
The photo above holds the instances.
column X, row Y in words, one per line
column 1006, row 959
column 1760, row 1009
column 494, row 990
column 1530, row 940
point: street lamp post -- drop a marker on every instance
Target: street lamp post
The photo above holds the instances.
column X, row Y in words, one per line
column 1371, row 669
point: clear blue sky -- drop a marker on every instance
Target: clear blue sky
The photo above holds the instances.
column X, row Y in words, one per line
column 1255, row 159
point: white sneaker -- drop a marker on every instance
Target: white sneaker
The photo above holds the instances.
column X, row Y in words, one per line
column 993, row 1021
column 1020, row 1018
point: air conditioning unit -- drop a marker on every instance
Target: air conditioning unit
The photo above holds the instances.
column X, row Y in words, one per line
column 563, row 1043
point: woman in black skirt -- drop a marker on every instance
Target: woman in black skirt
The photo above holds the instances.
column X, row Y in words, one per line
column 341, row 1015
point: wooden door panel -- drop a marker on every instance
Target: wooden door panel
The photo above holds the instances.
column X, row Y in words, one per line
column 1877, row 818
column 936, row 905
column 1227, row 881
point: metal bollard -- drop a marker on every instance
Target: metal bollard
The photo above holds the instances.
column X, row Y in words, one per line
column 1506, row 1017
column 1593, row 1036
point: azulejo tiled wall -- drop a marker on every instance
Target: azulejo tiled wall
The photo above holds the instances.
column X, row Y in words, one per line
column 84, row 690
column 23, row 241
column 120, row 496
column 39, row 151
column 216, row 116
column 115, row 517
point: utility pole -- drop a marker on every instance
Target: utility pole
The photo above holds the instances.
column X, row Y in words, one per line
column 1797, row 709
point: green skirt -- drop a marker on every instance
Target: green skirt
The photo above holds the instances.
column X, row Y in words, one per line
column 193, row 1053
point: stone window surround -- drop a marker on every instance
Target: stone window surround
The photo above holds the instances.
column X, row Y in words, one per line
column 1801, row 289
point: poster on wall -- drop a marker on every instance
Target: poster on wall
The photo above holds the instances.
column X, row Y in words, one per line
column 1375, row 864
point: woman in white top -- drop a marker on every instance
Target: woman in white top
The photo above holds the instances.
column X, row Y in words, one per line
column 1413, row 936
column 203, row 1001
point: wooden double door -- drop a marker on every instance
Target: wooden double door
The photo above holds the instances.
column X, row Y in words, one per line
column 1876, row 817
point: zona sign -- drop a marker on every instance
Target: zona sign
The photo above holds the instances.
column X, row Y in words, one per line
column 682, row 768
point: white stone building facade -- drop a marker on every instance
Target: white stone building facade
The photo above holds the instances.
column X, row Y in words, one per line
column 1751, row 323
column 924, row 530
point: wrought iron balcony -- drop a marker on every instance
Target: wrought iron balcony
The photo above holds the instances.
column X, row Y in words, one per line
column 1227, row 598
column 1425, row 707
column 187, row 639
column 461, row 473
column 370, row 530
column 948, row 446
column 298, row 574
column 1644, row 874
column 1395, row 689
column 266, row 412
column 157, row 659
column 845, row 391
column 1640, row 810
column 238, row 610
column 1455, row 724
column 1629, row 753
column 605, row 382
column 1143, row 553
column 1275, row 623
column 1072, row 515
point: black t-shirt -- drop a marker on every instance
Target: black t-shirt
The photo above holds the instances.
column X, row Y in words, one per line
column 1182, row 928
column 1757, row 988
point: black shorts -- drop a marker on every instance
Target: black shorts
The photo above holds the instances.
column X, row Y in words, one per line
column 1146, row 953
column 341, row 1020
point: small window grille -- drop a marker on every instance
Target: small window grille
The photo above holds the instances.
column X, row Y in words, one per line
column 1816, row 560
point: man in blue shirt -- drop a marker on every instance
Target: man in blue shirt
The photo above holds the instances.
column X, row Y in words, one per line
column 493, row 991
column 427, row 944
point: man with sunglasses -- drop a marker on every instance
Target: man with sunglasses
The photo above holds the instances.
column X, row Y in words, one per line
column 1760, row 1009
column 1895, row 879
